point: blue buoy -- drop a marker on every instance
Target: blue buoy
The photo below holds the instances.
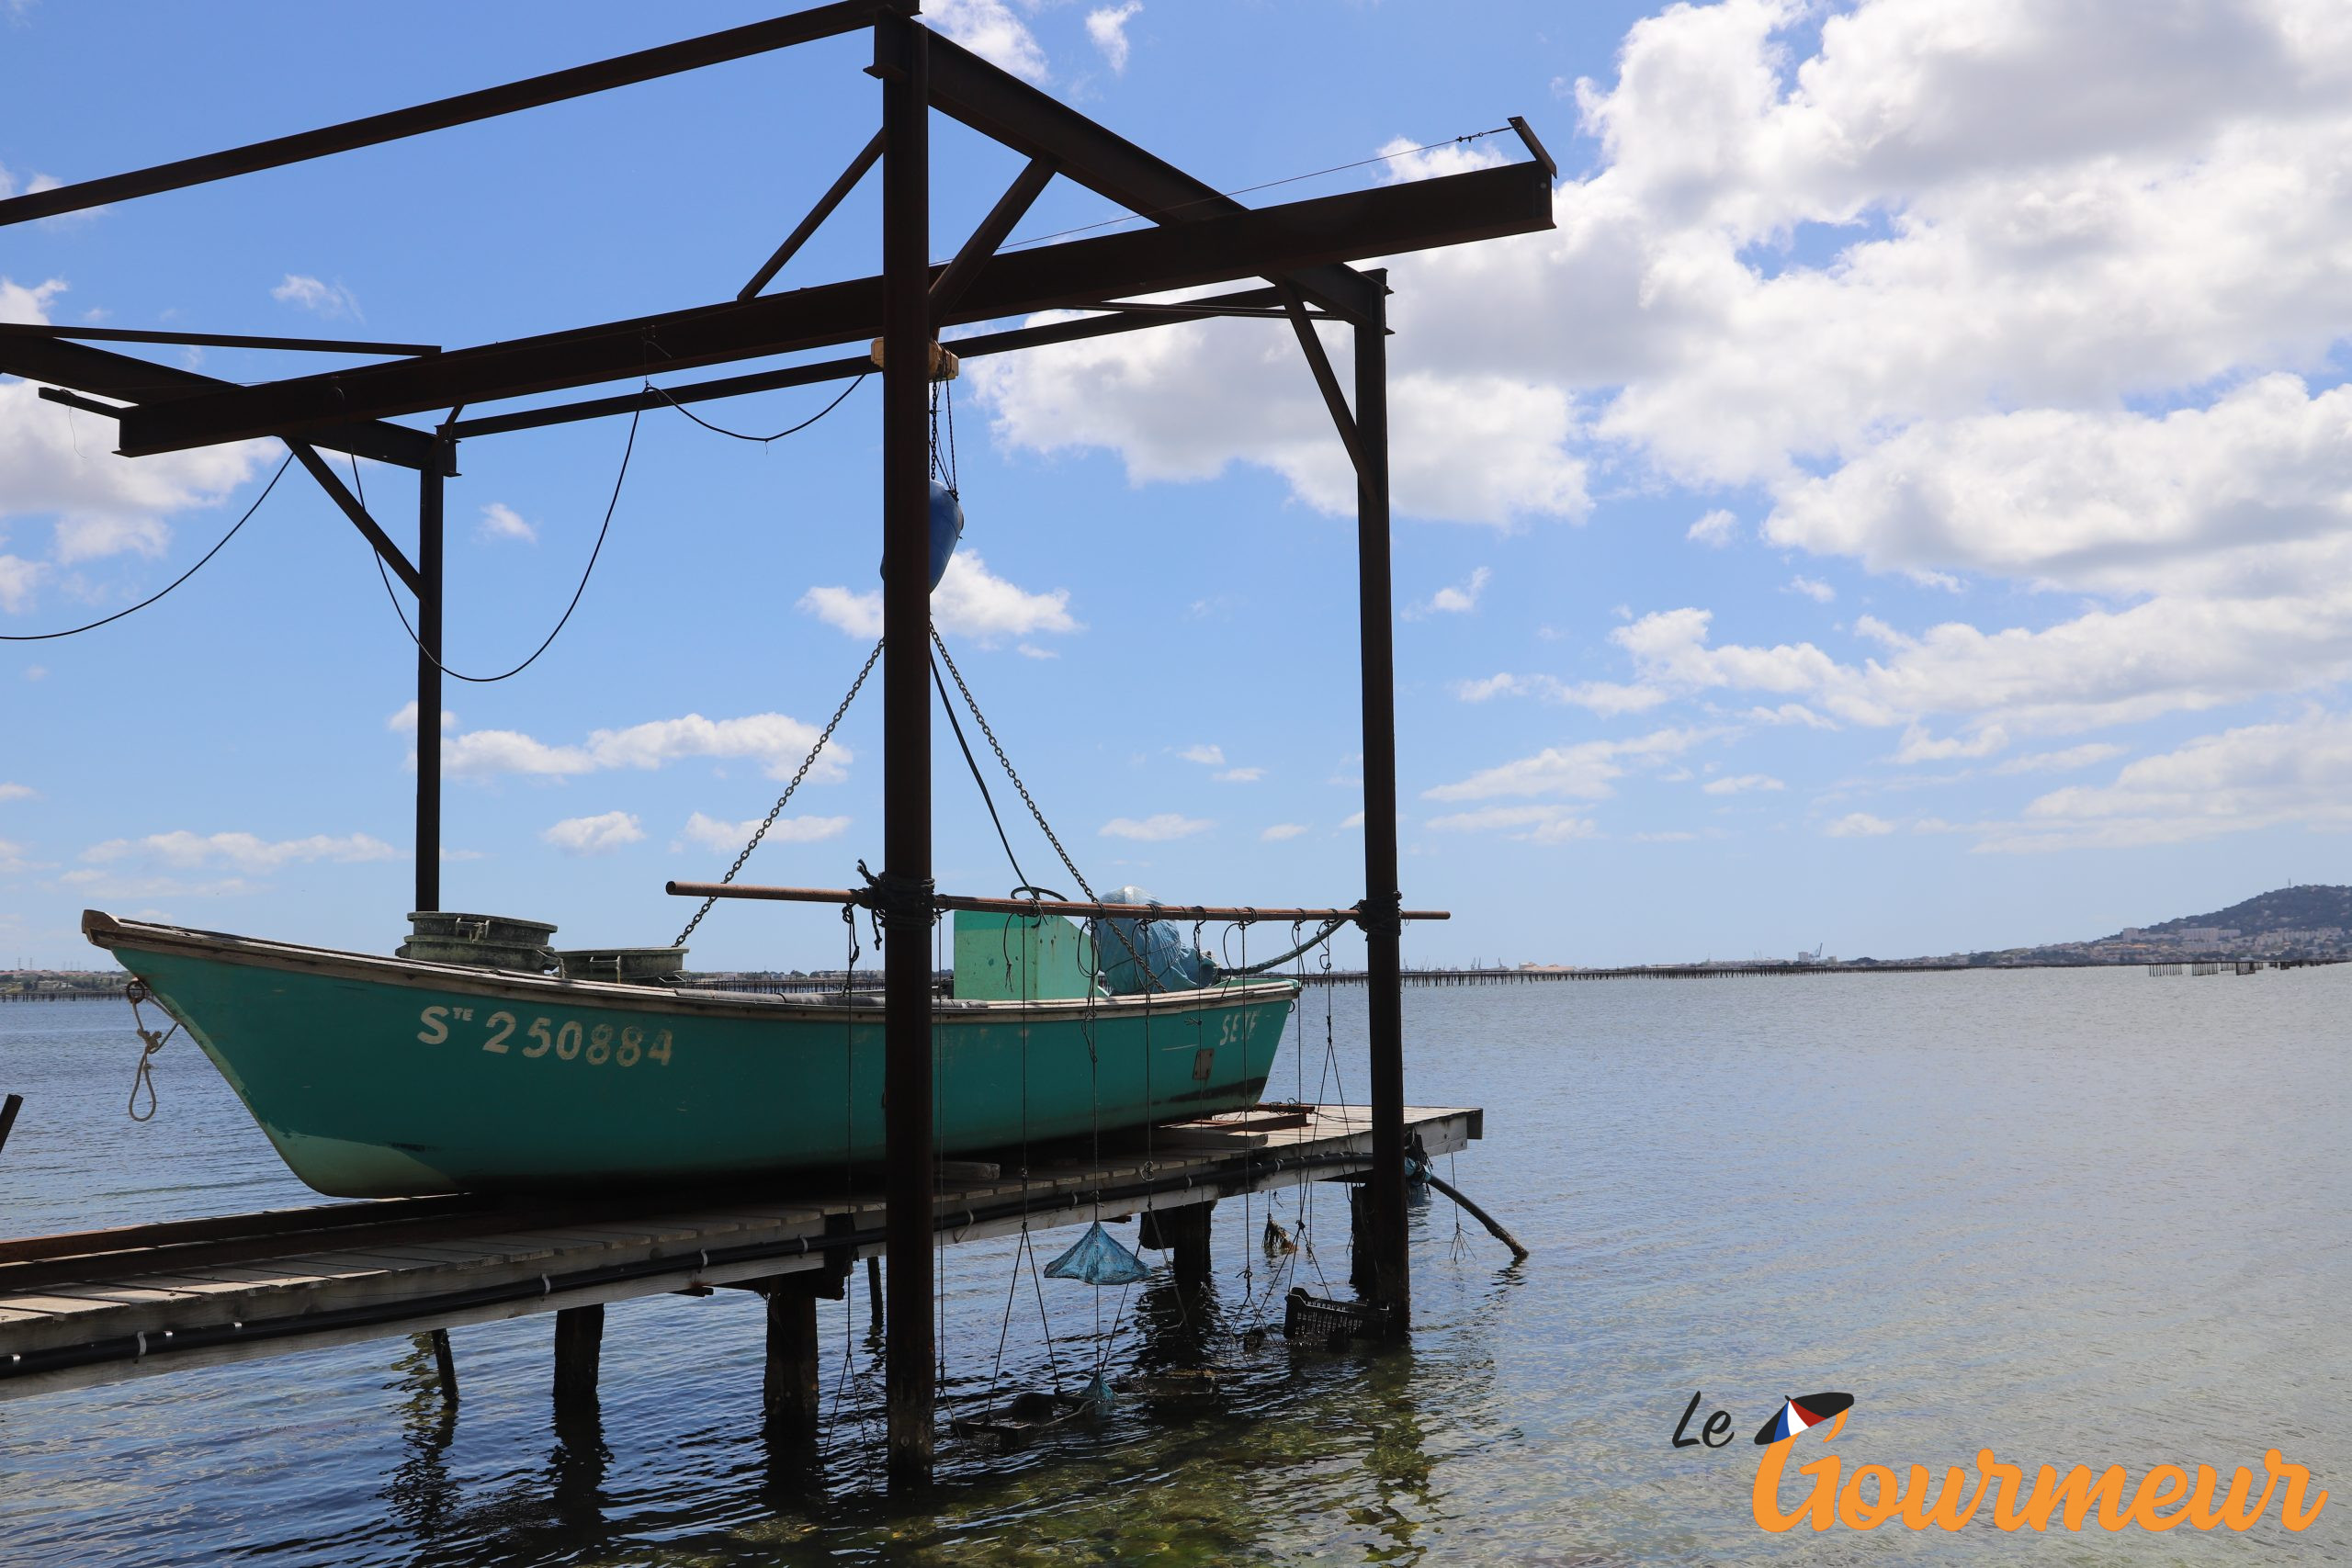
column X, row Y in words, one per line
column 946, row 527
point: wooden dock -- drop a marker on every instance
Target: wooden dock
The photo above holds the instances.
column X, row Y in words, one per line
column 100, row 1307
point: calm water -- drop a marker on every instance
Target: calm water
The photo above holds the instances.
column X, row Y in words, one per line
column 2073, row 1217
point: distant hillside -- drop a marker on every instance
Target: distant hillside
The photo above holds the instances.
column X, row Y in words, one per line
column 2301, row 909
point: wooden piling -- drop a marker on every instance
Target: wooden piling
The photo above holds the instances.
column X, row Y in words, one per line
column 1183, row 1233
column 446, row 1365
column 579, row 1344
column 788, row 1395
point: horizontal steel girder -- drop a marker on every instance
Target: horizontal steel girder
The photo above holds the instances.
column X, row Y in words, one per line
column 59, row 363
column 1289, row 238
column 645, row 65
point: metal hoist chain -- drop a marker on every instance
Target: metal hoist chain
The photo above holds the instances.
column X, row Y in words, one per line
column 1006, row 763
column 777, row 809
column 1037, row 815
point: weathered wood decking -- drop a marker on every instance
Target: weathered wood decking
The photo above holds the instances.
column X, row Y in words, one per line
column 103, row 1306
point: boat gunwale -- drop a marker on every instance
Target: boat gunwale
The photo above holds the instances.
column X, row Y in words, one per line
column 104, row 930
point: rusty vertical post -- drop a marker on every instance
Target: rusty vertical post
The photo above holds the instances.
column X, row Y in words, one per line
column 901, row 60
column 428, row 684
column 1382, row 932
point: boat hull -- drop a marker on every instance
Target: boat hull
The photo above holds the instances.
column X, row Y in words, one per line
column 382, row 1077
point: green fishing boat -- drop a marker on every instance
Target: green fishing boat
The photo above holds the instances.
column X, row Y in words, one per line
column 379, row 1077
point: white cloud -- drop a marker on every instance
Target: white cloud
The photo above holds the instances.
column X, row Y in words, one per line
column 402, row 720
column 1607, row 698
column 1107, row 26
column 714, row 833
column 17, row 791
column 1453, row 599
column 186, row 851
column 1918, row 746
column 1208, row 755
column 307, row 293
column 97, row 504
column 1158, row 829
column 1531, row 824
column 1282, row 831
column 969, row 599
column 1818, row 592
column 989, row 29
column 1353, row 819
column 2295, row 773
column 1715, row 530
column 593, row 835
column 1858, row 825
column 11, row 857
column 1741, row 785
column 1185, row 402
column 1239, row 775
column 776, row 739
column 1404, row 159
column 2067, row 761
column 500, row 521
column 1585, row 771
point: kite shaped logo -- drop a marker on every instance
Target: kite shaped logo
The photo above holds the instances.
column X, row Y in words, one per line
column 1800, row 1415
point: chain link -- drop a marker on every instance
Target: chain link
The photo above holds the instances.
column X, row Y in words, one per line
column 777, row 809
column 1006, row 762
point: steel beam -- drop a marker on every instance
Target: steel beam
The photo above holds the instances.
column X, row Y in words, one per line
column 645, row 65
column 911, row 1349
column 1001, row 106
column 1384, row 987
column 58, row 362
column 332, row 482
column 835, row 195
column 1327, row 380
column 1125, row 318
column 215, row 340
column 1284, row 240
column 428, row 688
column 1028, row 186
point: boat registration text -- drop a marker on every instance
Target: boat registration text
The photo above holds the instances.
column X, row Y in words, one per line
column 570, row 1040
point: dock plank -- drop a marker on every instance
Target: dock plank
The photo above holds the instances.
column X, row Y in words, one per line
column 402, row 1276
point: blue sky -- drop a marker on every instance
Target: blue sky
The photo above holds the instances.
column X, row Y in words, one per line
column 1903, row 507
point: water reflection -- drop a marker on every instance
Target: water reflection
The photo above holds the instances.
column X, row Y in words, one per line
column 420, row 1492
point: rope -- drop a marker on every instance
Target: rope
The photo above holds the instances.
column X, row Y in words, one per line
column 94, row 626
column 762, row 440
column 135, row 993
column 777, row 809
column 549, row 641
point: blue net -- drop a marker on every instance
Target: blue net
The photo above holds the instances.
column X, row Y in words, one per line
column 1099, row 1260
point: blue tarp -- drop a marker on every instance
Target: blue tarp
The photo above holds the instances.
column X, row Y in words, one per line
column 1099, row 1260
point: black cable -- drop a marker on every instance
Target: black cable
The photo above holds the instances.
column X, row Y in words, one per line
column 1158, row 212
column 762, row 440
column 94, row 626
column 584, row 575
column 975, row 766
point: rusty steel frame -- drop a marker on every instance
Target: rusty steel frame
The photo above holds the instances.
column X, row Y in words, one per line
column 1199, row 236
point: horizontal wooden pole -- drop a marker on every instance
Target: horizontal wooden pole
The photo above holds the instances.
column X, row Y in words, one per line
column 1034, row 905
